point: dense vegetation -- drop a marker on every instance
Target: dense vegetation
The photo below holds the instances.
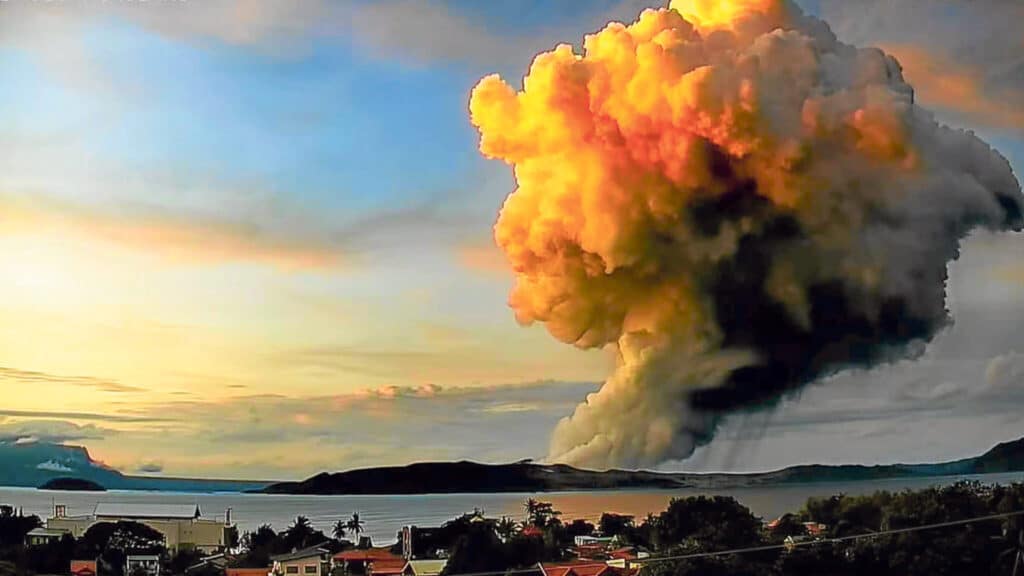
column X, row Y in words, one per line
column 709, row 524
column 258, row 546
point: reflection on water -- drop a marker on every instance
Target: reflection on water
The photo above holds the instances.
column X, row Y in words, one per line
column 385, row 515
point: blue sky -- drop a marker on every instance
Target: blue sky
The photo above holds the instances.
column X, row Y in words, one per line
column 229, row 205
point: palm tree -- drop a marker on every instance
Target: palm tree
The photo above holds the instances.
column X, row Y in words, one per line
column 530, row 506
column 301, row 526
column 506, row 527
column 539, row 513
column 299, row 533
column 354, row 524
column 339, row 529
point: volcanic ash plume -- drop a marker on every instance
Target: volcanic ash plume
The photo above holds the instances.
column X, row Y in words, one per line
column 735, row 200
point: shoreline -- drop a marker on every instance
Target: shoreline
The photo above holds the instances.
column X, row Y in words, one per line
column 567, row 491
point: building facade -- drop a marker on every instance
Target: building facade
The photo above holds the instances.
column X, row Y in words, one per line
column 313, row 561
column 148, row 565
column 182, row 526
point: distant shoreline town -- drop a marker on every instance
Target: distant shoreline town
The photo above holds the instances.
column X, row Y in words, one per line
column 968, row 527
column 693, row 535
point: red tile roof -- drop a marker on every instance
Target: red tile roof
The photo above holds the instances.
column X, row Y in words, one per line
column 590, row 569
column 815, row 528
column 390, row 566
column 83, row 567
column 532, row 531
column 576, row 569
column 553, row 570
column 627, row 553
column 367, row 555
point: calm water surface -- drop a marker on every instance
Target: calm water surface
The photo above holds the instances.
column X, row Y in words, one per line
column 385, row 515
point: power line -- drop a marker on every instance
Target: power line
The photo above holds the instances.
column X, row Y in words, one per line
column 769, row 547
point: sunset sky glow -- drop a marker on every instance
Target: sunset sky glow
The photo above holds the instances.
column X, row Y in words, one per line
column 253, row 240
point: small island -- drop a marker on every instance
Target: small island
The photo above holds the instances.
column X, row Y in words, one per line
column 72, row 485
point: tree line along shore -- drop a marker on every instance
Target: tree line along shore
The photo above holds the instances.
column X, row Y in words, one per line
column 964, row 528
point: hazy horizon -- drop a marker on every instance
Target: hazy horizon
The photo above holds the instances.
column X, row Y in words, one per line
column 261, row 247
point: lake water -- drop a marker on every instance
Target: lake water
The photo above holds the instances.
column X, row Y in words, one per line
column 385, row 515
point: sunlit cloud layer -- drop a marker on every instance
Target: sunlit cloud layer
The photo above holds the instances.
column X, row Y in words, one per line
column 268, row 436
column 175, row 239
column 232, row 231
column 964, row 58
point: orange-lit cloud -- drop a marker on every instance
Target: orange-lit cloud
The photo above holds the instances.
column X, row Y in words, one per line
column 35, row 378
column 483, row 257
column 1012, row 274
column 214, row 434
column 176, row 239
column 711, row 15
column 692, row 187
column 963, row 58
column 943, row 82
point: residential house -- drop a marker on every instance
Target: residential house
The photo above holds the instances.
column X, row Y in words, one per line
column 83, row 568
column 816, row 529
column 43, row 536
column 148, row 564
column 590, row 552
column 387, row 567
column 424, row 567
column 593, row 540
column 582, row 568
column 627, row 558
column 312, row 561
column 362, row 561
column 585, row 568
column 531, row 531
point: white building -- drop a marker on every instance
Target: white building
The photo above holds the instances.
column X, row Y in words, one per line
column 181, row 525
column 148, row 564
column 592, row 540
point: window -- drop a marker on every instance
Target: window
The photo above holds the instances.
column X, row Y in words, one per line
column 310, row 569
column 291, row 569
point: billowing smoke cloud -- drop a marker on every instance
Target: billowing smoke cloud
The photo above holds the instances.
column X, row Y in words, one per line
column 735, row 200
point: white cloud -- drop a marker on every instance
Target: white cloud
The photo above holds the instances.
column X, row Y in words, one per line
column 53, row 466
column 49, row 430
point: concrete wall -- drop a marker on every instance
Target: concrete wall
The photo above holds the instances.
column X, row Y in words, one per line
column 204, row 535
column 300, row 567
column 76, row 526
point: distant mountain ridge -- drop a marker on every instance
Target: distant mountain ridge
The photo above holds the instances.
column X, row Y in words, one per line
column 33, row 464
column 472, row 477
